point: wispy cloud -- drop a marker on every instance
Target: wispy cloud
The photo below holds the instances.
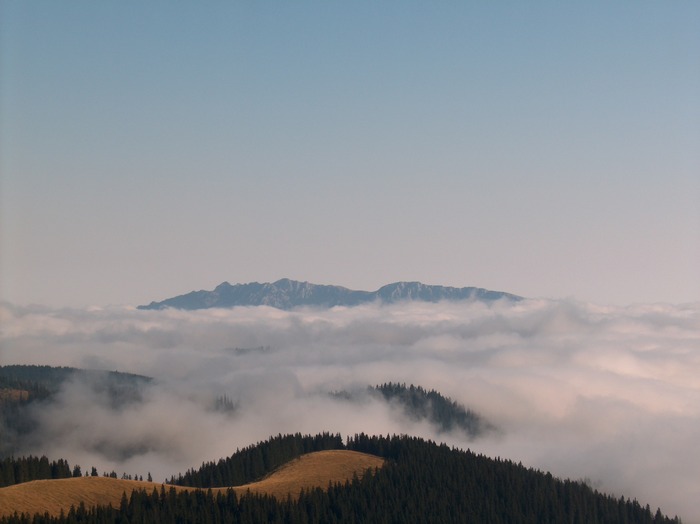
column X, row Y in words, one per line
column 611, row 394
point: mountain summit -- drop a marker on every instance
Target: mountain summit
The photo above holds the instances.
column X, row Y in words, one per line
column 288, row 294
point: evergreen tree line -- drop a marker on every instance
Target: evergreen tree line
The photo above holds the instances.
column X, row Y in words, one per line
column 51, row 378
column 23, row 469
column 28, row 389
column 16, row 423
column 253, row 462
column 21, row 386
column 423, row 479
column 225, row 404
column 441, row 411
column 421, row 482
column 40, row 380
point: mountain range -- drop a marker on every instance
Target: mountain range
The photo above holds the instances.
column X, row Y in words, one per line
column 288, row 294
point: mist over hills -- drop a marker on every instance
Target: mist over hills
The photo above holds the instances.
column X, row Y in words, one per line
column 419, row 404
column 25, row 390
column 582, row 390
column 288, row 294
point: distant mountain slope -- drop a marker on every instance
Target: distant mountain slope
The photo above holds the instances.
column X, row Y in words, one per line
column 288, row 294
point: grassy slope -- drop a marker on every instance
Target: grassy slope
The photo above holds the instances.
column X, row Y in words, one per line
column 308, row 471
column 314, row 470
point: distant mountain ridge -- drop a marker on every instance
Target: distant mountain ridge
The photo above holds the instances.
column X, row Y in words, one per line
column 288, row 294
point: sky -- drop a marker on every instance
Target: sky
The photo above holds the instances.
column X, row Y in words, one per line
column 544, row 149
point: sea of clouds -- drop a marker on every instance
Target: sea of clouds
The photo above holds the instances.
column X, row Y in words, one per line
column 606, row 394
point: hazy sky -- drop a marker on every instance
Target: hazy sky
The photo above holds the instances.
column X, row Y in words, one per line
column 152, row 148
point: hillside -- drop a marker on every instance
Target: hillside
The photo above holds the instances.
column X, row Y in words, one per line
column 22, row 386
column 288, row 294
column 314, row 470
column 52, row 496
column 418, row 479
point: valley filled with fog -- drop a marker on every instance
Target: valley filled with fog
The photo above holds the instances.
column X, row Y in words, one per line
column 606, row 394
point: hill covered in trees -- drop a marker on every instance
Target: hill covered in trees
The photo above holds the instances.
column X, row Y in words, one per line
column 420, row 481
column 420, row 478
column 419, row 404
column 307, row 472
column 22, row 386
column 253, row 462
column 441, row 411
column 41, row 381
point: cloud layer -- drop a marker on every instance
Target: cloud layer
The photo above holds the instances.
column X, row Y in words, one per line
column 608, row 394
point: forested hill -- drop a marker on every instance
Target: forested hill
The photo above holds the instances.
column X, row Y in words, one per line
column 421, row 481
column 288, row 294
column 253, row 462
column 48, row 379
column 420, row 404
column 21, row 386
column 441, row 411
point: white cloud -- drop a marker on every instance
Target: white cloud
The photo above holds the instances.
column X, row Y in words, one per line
column 605, row 393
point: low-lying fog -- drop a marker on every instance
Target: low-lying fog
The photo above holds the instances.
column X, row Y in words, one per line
column 607, row 394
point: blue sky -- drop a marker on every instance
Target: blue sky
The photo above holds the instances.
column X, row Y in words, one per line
column 148, row 149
